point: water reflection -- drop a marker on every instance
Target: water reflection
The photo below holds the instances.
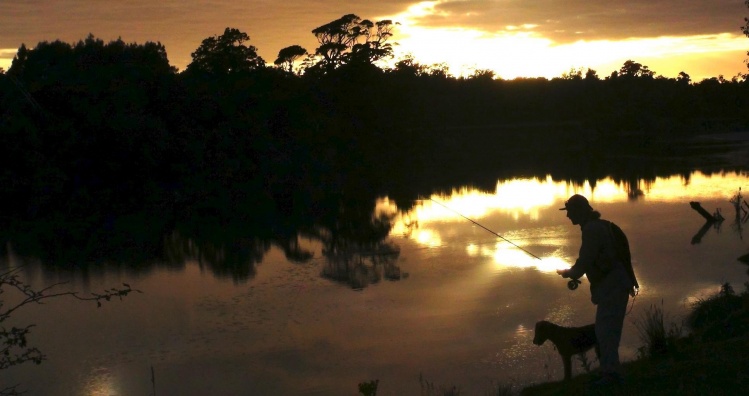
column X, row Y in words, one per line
column 273, row 307
column 716, row 219
column 359, row 267
column 505, row 256
column 523, row 200
column 348, row 234
column 697, row 238
column 237, row 261
column 100, row 382
column 526, row 197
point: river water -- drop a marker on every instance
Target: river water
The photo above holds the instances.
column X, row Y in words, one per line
column 442, row 299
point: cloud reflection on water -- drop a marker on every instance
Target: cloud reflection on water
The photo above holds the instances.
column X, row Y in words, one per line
column 527, row 199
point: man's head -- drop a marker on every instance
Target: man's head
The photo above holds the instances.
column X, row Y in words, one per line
column 578, row 209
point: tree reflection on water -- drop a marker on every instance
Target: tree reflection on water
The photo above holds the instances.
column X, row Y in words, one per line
column 359, row 267
column 348, row 231
column 352, row 237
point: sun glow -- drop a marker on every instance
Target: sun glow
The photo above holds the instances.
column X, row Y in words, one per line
column 100, row 382
column 517, row 53
column 428, row 238
column 6, row 57
column 427, row 223
column 507, row 256
column 520, row 51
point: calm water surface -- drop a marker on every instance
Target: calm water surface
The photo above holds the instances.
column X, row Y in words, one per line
column 462, row 313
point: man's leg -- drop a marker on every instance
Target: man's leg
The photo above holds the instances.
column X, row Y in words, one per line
column 609, row 322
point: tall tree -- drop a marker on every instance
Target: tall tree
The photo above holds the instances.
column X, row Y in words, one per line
column 408, row 66
column 375, row 45
column 226, row 54
column 336, row 38
column 19, row 60
column 591, row 75
column 287, row 56
column 340, row 41
column 635, row 69
column 684, row 78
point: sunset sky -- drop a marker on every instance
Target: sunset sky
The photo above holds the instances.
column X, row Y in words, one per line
column 541, row 38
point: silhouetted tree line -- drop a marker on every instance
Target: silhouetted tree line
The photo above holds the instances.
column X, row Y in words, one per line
column 96, row 130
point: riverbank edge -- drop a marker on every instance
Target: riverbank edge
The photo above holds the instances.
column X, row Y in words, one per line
column 699, row 363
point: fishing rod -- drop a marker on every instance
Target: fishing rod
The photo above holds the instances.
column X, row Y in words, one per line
column 572, row 284
column 478, row 224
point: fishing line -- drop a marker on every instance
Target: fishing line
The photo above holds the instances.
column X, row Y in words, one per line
column 634, row 297
column 477, row 223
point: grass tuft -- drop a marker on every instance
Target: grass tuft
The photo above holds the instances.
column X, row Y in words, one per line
column 369, row 388
column 430, row 389
column 501, row 390
column 721, row 316
column 656, row 339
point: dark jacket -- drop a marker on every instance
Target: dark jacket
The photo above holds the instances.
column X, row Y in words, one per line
column 598, row 261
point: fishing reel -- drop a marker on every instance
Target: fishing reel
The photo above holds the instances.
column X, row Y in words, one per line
column 573, row 284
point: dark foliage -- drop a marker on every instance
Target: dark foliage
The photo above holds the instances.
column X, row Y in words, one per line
column 105, row 147
column 14, row 341
column 722, row 316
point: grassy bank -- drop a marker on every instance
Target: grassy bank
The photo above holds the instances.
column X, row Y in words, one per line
column 712, row 359
column 708, row 354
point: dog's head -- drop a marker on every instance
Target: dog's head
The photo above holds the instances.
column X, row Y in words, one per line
column 541, row 332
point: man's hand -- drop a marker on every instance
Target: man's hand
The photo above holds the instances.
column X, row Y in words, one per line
column 563, row 273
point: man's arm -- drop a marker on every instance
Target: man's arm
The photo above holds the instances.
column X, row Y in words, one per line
column 589, row 251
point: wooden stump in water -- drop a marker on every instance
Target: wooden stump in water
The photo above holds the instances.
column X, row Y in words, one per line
column 696, row 206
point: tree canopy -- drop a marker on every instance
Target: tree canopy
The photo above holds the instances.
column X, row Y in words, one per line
column 102, row 128
column 635, row 69
column 287, row 56
column 226, row 54
column 340, row 41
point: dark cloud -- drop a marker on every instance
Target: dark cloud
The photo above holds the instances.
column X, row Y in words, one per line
column 572, row 20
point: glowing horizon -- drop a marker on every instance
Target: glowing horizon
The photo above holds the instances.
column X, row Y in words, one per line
column 509, row 37
column 526, row 56
column 519, row 51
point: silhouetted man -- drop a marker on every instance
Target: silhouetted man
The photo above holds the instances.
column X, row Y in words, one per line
column 610, row 283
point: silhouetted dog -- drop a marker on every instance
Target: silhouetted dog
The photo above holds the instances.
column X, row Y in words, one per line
column 568, row 340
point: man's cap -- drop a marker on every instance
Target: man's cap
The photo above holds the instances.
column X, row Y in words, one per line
column 577, row 202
